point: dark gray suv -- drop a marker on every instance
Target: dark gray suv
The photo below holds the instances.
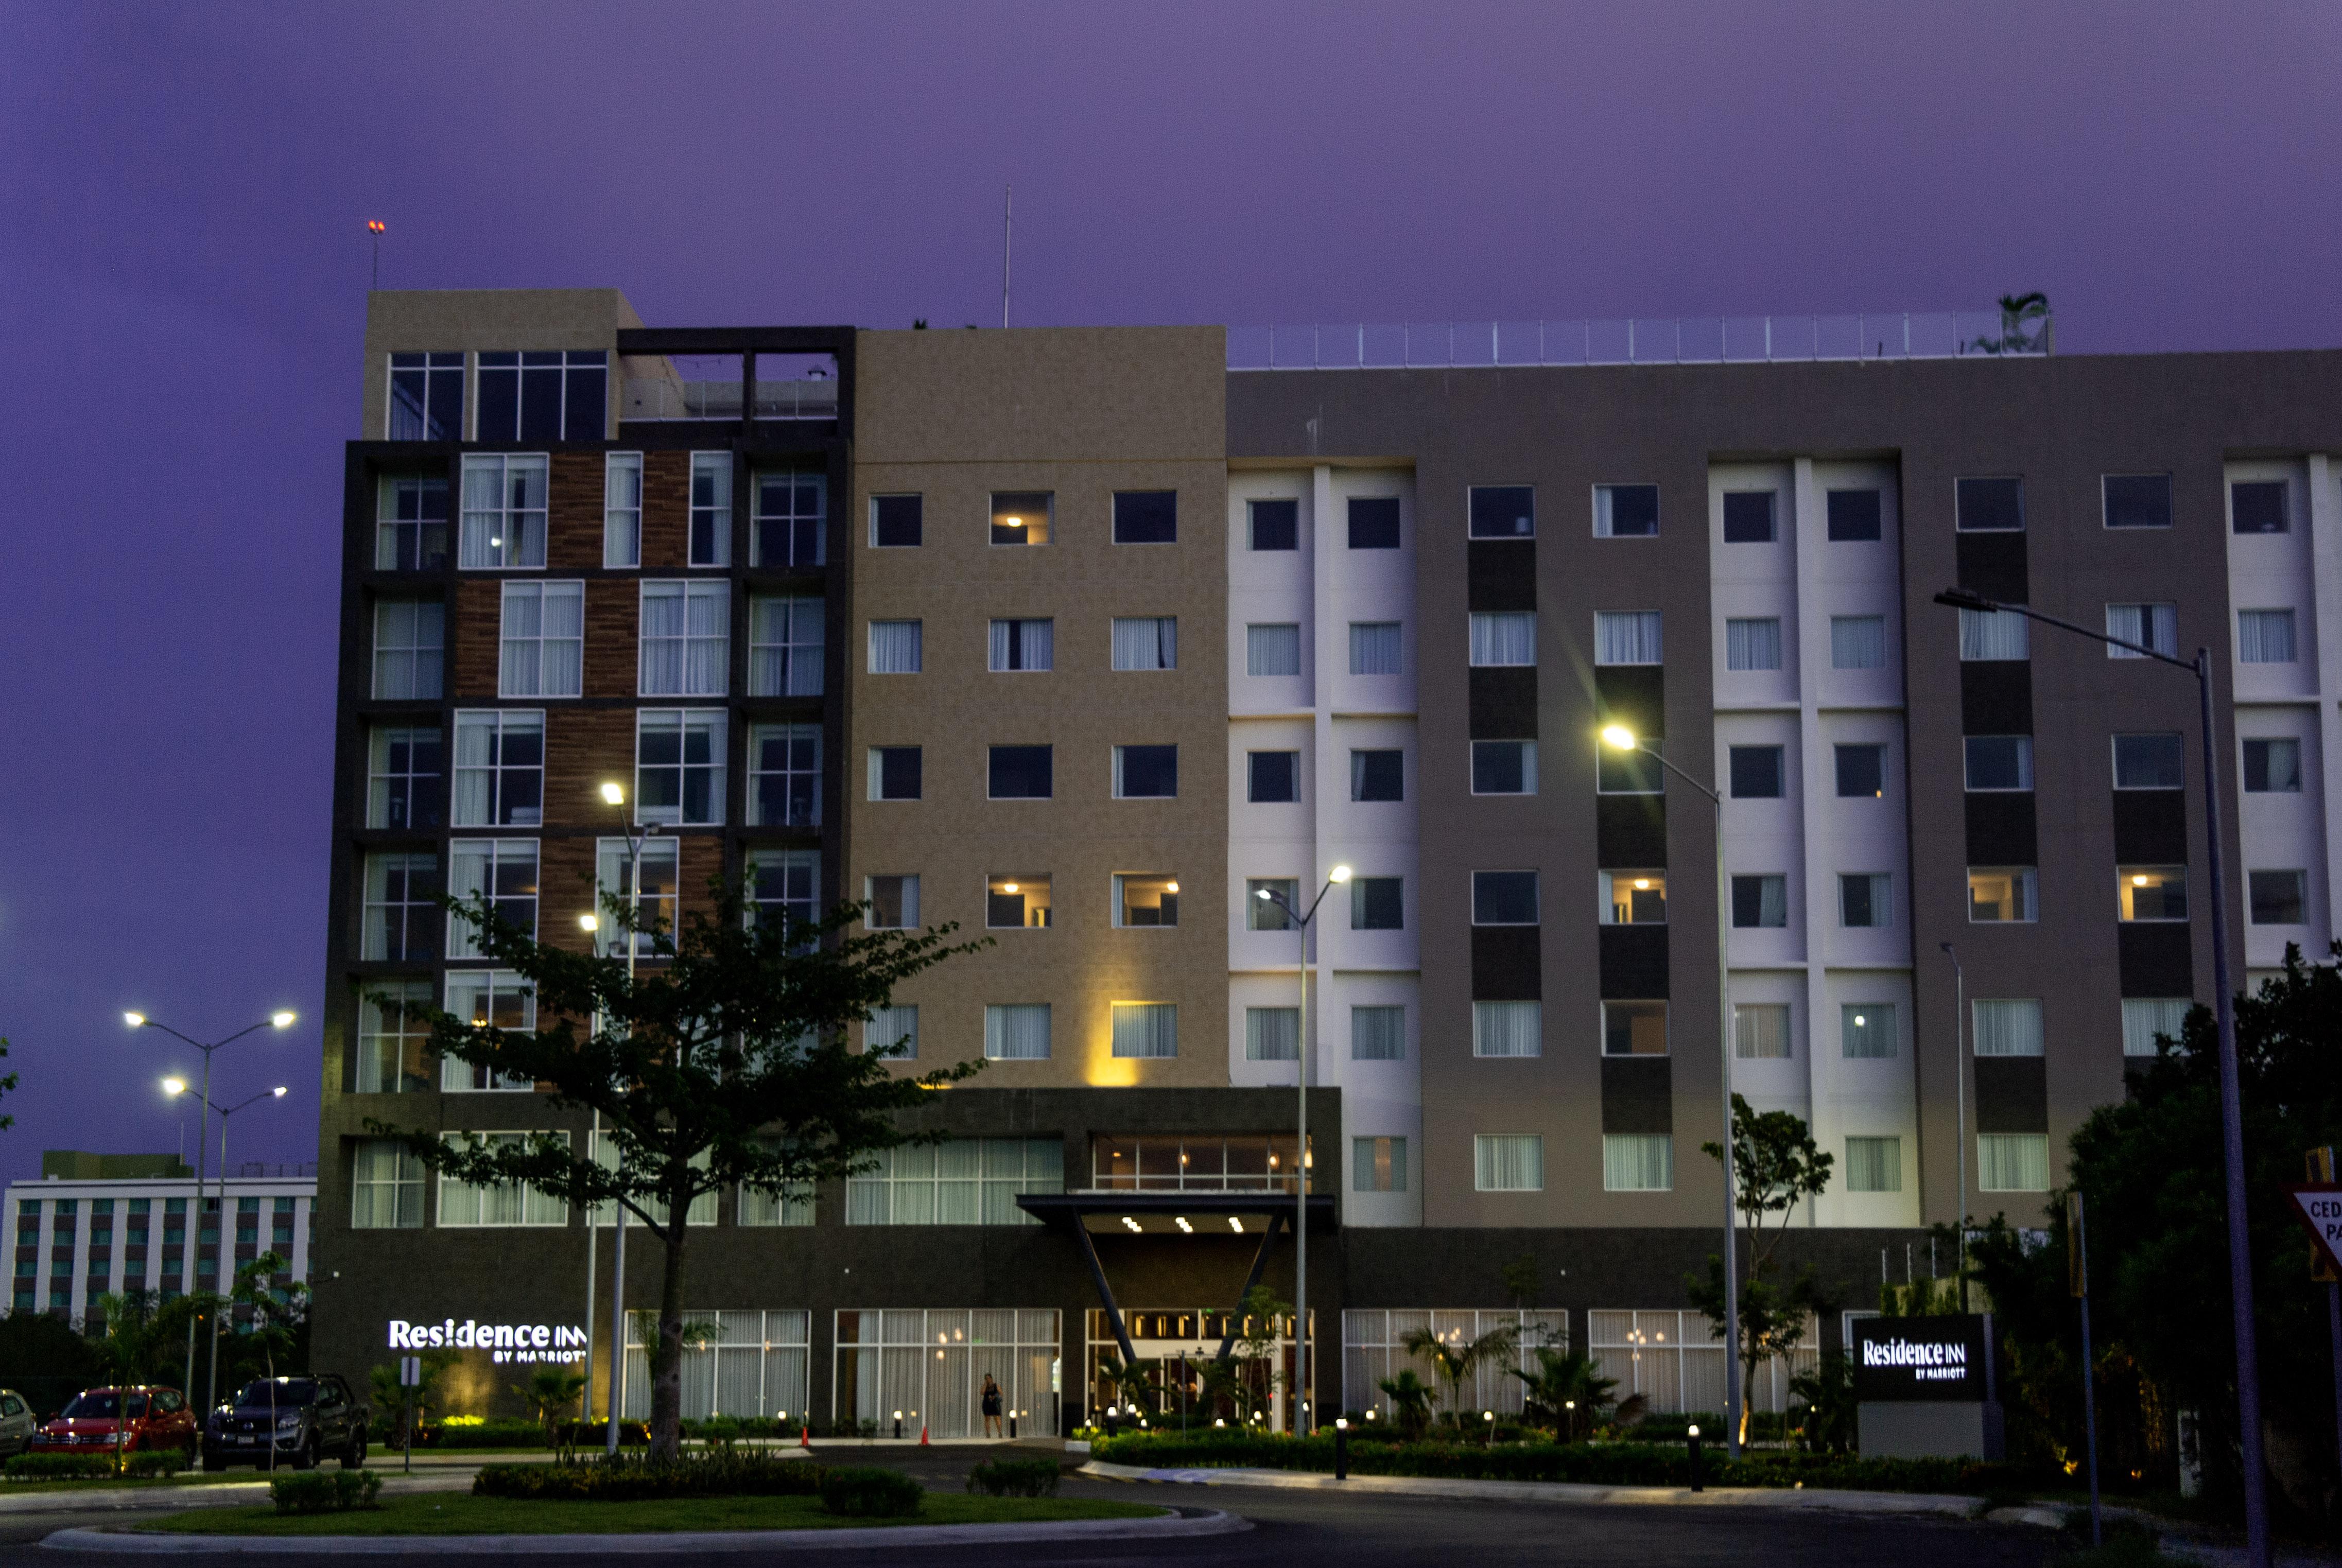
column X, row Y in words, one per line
column 294, row 1421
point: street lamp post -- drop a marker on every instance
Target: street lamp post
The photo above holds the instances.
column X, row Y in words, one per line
column 615, row 795
column 1301, row 1162
column 282, row 1019
column 1619, row 737
column 1959, row 1116
column 2232, row 1122
column 179, row 1086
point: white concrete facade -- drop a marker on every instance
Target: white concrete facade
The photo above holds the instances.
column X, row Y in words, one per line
column 55, row 1270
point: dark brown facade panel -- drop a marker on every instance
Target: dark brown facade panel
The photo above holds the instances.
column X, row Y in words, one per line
column 1993, row 564
column 1634, row 962
column 666, row 509
column 2012, row 1094
column 2151, row 826
column 2001, row 829
column 585, row 748
column 1638, row 1095
column 1997, row 697
column 1631, row 830
column 1505, row 964
column 2158, row 959
column 613, row 615
column 472, row 639
column 1501, row 574
column 572, row 520
column 1634, row 696
column 1504, row 704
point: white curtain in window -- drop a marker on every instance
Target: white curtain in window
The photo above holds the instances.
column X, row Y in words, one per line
column 1374, row 648
column 894, row 648
column 1753, row 645
column 1638, row 1163
column 2264, row 637
column 1272, row 1033
column 1994, row 635
column 1023, row 644
column 622, row 510
column 1016, row 1032
column 1873, row 1164
column 1145, row 642
column 2013, row 1162
column 1273, row 650
column 1500, row 638
column 662, row 639
column 1868, row 1029
column 1508, row 1163
column 1760, row 1031
column 2009, row 1028
column 385, row 1186
column 894, row 1030
column 519, row 674
column 1858, row 641
column 708, row 640
column 1507, row 1028
column 563, row 666
column 475, row 757
column 2144, row 1017
column 1146, row 1029
column 1378, row 1034
column 1627, row 638
column 2154, row 627
column 1773, row 901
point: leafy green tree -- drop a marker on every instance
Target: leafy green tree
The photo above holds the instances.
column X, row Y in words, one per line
column 1566, row 1394
column 1827, row 1393
column 723, row 1063
column 1410, row 1399
column 1261, row 1311
column 2024, row 325
column 1457, row 1360
column 271, row 1320
column 1523, row 1280
column 7, row 1086
column 390, row 1396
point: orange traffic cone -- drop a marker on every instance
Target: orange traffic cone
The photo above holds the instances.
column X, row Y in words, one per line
column 923, row 1435
column 805, row 1438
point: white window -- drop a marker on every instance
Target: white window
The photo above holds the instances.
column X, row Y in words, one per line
column 1508, row 1163
column 1867, row 1030
column 1999, row 762
column 1873, row 1164
column 1753, row 645
column 1023, row 645
column 711, row 508
column 410, row 531
column 760, row 1207
column 959, row 1181
column 394, row 1037
column 895, row 648
column 622, row 509
column 893, row 903
column 500, row 870
column 2003, row 893
column 785, row 776
column 400, row 907
column 1507, row 1028
column 679, row 766
column 1760, row 901
column 686, row 639
column 1638, row 1163
column 1990, row 635
column 1272, row 1033
column 1146, row 1029
column 2144, row 1017
column 1378, row 1034
column 385, row 1186
column 1865, row 899
column 1016, row 1032
column 785, row 647
column 403, row 776
column 703, row 1209
column 2013, row 1162
column 1374, row 648
column 893, row 1031
column 543, row 649
column 790, row 523
column 2009, row 1028
column 1760, row 1031
column 499, row 769
column 2154, row 627
column 1378, row 1164
column 784, row 890
column 1272, row 649
column 1634, row 1028
column 1504, row 767
column 1857, row 641
column 492, row 998
column 1626, row 511
column 1145, row 642
column 1504, row 638
column 504, row 511
column 2273, row 766
column 2264, row 637
column 1628, row 637
column 461, row 1204
column 654, row 904
column 408, row 649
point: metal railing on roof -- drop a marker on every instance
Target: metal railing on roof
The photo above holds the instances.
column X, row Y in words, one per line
column 1686, row 340
column 664, row 399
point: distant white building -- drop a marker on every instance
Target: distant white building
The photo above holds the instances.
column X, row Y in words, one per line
column 96, row 1224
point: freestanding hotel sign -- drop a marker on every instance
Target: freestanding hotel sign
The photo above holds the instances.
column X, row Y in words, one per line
column 1927, row 1387
column 505, row 1342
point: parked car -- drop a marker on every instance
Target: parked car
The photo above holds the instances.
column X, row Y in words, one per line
column 294, row 1421
column 149, row 1418
column 16, row 1423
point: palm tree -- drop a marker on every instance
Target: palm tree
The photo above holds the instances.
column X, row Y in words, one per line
column 1456, row 1360
column 1566, row 1392
column 549, row 1393
column 1410, row 1400
column 1130, row 1382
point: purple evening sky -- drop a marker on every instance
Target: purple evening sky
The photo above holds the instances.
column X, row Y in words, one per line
column 185, row 188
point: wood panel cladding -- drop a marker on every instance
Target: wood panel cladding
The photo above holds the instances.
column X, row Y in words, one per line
column 613, row 615
column 666, row 509
column 573, row 504
column 583, row 748
column 473, row 641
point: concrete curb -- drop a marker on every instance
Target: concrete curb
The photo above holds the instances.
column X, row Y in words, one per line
column 1898, row 1502
column 698, row 1542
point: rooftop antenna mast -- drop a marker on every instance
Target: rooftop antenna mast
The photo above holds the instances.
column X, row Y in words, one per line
column 1007, row 232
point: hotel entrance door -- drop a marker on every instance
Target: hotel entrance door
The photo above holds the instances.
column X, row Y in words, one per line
column 1175, row 1348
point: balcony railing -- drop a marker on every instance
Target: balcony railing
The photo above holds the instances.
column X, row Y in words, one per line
column 1689, row 340
column 664, row 399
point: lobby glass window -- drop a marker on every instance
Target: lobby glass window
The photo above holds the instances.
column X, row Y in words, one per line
column 1861, row 771
column 1507, row 1029
column 1145, row 642
column 1379, row 903
column 2147, row 1018
column 1023, row 516
column 504, row 511
column 405, row 776
column 2002, row 892
column 1626, row 511
column 1378, row 1164
column 1272, row 1033
column 2150, row 761
column 410, row 531
column 1239, row 1162
column 1636, row 772
column 895, row 648
column 1145, row 516
column 1749, row 516
column 499, row 769
column 1140, row 773
column 2152, row 892
column 1504, row 898
column 1991, row 506
column 1753, row 643
column 493, row 998
column 1757, row 771
column 1866, row 1030
column 1272, row 649
column 1865, row 899
column 2273, row 766
column 2277, row 897
column 1377, row 775
column 1378, row 1032
column 2154, row 627
column 1016, row 1032
column 1145, row 898
column 385, row 1186
column 2013, row 1162
column 1375, row 648
column 2264, row 637
column 426, row 396
column 1628, row 637
column 1503, row 512
column 1144, row 1029
column 462, row 1204
column 541, row 644
column 958, row 1182
column 1506, row 638
column 1011, row 903
column 622, row 509
column 891, row 1031
column 544, row 395
column 679, row 766
column 894, row 773
column 1638, row 1163
column 1857, row 641
column 653, row 903
column 1854, row 516
column 1273, row 778
column 1021, row 645
column 401, row 921
column 1374, row 523
column 1634, row 1029
column 408, row 650
column 1993, row 636
column 786, row 653
column 500, row 870
column 1632, row 897
column 1504, row 767
column 2008, row 1028
column 785, row 889
column 897, row 522
column 1873, row 1164
column 785, row 776
column 893, row 903
column 1266, row 914
column 790, row 526
column 1760, row 1031
column 1760, row 901
column 393, row 1055
column 1273, row 525
column 2136, row 500
column 2257, row 506
column 685, row 646
column 1999, row 762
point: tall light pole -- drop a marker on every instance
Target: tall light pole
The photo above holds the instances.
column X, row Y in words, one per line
column 1620, row 738
column 2232, row 1118
column 615, row 795
column 1959, row 1116
column 1301, row 1162
column 282, row 1019
column 179, row 1086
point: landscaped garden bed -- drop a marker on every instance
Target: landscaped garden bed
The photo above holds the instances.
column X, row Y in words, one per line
column 456, row 1513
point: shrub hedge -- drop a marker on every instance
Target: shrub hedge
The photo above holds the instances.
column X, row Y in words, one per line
column 631, row 1478
column 94, row 1466
column 1014, row 1478
column 325, row 1490
column 869, row 1493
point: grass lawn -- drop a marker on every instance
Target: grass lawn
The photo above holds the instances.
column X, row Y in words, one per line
column 9, row 1488
column 461, row 1514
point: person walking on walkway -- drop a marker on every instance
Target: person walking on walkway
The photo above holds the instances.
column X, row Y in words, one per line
column 992, row 1426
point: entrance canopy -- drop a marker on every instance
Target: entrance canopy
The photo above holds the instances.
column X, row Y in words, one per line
column 1160, row 1214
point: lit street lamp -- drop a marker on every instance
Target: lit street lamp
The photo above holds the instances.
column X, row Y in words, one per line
column 615, row 795
column 222, row 1251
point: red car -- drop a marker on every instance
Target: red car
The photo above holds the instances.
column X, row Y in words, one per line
column 158, row 1419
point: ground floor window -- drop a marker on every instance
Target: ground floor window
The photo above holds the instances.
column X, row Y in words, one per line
column 734, row 1364
column 931, row 1364
column 1673, row 1359
column 1176, row 1345
column 959, row 1181
column 1373, row 1349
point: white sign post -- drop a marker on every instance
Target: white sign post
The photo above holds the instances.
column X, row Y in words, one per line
column 410, row 1378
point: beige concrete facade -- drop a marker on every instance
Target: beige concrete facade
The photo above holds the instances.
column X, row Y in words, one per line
column 407, row 320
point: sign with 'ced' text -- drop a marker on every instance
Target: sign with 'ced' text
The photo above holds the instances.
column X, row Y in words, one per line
column 2319, row 1207
column 504, row 1342
column 1923, row 1358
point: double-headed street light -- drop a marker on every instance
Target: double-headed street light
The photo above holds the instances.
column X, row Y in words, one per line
column 1618, row 737
column 221, row 1253
column 614, row 795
